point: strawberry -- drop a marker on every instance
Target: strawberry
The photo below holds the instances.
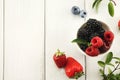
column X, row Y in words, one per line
column 92, row 51
column 73, row 68
column 105, row 47
column 119, row 24
column 108, row 36
column 96, row 42
column 60, row 59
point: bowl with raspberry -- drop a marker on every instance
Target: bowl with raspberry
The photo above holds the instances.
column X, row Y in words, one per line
column 94, row 38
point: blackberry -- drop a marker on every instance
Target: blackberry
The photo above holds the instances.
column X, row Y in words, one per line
column 89, row 29
column 83, row 46
column 82, row 34
column 93, row 35
column 101, row 33
column 94, row 24
column 91, row 21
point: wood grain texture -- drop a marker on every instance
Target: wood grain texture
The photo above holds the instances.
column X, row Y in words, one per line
column 24, row 37
column 1, row 39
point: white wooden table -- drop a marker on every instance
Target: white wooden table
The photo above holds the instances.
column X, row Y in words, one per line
column 32, row 30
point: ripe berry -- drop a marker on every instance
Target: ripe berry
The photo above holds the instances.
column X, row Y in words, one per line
column 119, row 24
column 83, row 46
column 75, row 10
column 73, row 68
column 92, row 51
column 83, row 14
column 59, row 59
column 93, row 35
column 105, row 47
column 97, row 42
column 82, row 34
column 108, row 36
column 94, row 24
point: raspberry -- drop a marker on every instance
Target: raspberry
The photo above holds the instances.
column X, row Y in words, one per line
column 108, row 36
column 92, row 51
column 97, row 42
column 105, row 47
column 119, row 24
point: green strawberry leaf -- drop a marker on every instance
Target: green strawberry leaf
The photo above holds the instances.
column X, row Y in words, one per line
column 94, row 3
column 80, row 41
column 116, row 62
column 111, row 9
column 97, row 4
column 110, row 64
column 78, row 75
column 112, row 77
column 118, row 76
column 101, row 63
column 101, row 71
column 117, row 58
column 109, row 58
column 109, row 70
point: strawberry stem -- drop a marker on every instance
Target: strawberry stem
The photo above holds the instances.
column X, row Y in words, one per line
column 58, row 50
column 58, row 53
column 78, row 75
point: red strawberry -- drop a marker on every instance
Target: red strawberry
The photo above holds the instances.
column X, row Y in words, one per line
column 97, row 42
column 108, row 36
column 92, row 51
column 119, row 24
column 105, row 47
column 60, row 59
column 73, row 68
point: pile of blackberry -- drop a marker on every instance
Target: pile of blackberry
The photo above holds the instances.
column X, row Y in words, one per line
column 90, row 29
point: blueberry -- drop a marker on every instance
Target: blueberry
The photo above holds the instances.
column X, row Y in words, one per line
column 83, row 14
column 75, row 10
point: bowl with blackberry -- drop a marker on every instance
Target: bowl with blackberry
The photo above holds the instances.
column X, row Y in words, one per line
column 94, row 38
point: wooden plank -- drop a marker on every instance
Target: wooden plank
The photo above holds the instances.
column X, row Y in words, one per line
column 24, row 37
column 102, row 15
column 61, row 29
column 1, row 39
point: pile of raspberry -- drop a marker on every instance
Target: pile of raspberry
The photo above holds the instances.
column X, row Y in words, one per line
column 98, row 38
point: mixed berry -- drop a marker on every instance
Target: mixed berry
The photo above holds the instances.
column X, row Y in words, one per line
column 72, row 67
column 76, row 11
column 83, row 13
column 96, row 39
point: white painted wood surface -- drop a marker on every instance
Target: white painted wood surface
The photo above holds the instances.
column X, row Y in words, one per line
column 24, row 26
column 24, row 37
column 1, row 39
